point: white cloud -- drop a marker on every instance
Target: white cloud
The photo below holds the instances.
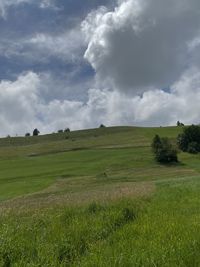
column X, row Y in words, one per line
column 48, row 4
column 6, row 4
column 66, row 46
column 137, row 49
column 142, row 44
column 22, row 108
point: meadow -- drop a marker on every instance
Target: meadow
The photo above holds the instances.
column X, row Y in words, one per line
column 97, row 198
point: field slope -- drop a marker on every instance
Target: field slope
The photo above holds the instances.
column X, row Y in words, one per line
column 97, row 198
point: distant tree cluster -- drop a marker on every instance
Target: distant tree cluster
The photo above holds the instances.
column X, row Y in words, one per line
column 180, row 123
column 163, row 150
column 102, row 126
column 189, row 140
column 36, row 132
column 67, row 130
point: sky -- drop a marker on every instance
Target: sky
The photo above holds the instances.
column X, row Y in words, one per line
column 78, row 64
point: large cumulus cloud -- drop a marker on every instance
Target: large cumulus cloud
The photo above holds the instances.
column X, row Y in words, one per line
column 143, row 44
column 146, row 57
column 22, row 108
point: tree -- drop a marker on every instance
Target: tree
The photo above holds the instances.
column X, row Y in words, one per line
column 156, row 144
column 67, row 130
column 102, row 126
column 35, row 132
column 27, row 134
column 164, row 150
column 189, row 140
column 179, row 123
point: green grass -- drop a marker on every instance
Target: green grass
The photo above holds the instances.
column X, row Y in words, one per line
column 166, row 234
column 97, row 198
column 31, row 164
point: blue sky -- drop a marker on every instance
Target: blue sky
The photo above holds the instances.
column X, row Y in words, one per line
column 77, row 64
column 25, row 20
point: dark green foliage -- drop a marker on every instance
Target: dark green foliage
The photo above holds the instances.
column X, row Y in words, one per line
column 164, row 150
column 189, row 140
column 67, row 130
column 102, row 126
column 179, row 123
column 35, row 132
column 156, row 144
column 60, row 131
column 129, row 214
column 193, row 148
column 27, row 134
column 6, row 260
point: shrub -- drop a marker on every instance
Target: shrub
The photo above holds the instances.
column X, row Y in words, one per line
column 189, row 140
column 179, row 123
column 102, row 126
column 193, row 148
column 156, row 144
column 36, row 132
column 164, row 150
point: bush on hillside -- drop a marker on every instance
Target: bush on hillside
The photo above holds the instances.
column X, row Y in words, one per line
column 164, row 150
column 179, row 123
column 189, row 140
column 35, row 132
column 102, row 126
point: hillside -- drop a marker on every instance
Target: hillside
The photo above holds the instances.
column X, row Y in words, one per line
column 97, row 198
column 30, row 164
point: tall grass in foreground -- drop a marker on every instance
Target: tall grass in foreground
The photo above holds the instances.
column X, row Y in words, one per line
column 163, row 231
column 64, row 236
column 166, row 234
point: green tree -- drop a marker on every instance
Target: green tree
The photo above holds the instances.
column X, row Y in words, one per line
column 156, row 144
column 189, row 140
column 35, row 132
column 163, row 150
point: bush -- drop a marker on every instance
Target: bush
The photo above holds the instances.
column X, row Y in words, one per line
column 156, row 144
column 179, row 123
column 164, row 150
column 189, row 140
column 193, row 148
column 35, row 132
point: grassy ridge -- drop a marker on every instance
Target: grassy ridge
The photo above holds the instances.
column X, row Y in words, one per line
column 158, row 231
column 31, row 164
column 97, row 198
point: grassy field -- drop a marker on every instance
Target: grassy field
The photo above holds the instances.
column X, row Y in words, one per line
column 97, row 198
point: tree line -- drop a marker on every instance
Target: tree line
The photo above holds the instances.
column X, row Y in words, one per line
column 165, row 151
